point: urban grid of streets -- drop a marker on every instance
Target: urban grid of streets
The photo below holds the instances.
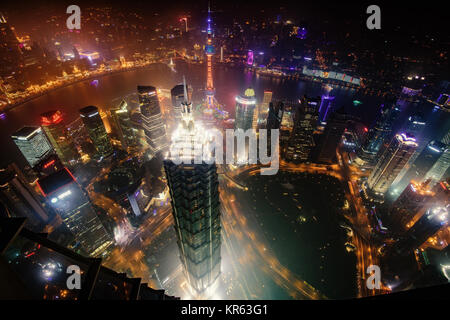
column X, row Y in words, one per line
column 244, row 251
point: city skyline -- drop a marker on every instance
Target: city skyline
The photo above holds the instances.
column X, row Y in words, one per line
column 94, row 123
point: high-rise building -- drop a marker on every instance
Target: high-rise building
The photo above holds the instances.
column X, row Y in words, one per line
column 124, row 125
column 440, row 167
column 20, row 199
column 263, row 109
column 53, row 125
column 71, row 202
column 194, row 192
column 326, row 107
column 96, row 130
column 422, row 164
column 390, row 163
column 332, row 136
column 301, row 141
column 209, row 51
column 275, row 115
column 433, row 220
column 33, row 144
column 409, row 205
column 152, row 121
column 177, row 95
column 245, row 108
column 377, row 135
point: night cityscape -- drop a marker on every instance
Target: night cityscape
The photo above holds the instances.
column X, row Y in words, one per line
column 223, row 150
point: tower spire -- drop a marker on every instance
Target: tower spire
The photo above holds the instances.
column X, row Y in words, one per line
column 186, row 97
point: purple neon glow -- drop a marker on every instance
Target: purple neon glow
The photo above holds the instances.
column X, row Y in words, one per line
column 250, row 58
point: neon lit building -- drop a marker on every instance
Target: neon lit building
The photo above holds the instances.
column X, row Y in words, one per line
column 53, row 125
column 97, row 132
column 209, row 51
column 195, row 203
column 71, row 202
column 33, row 144
column 390, row 163
column 245, row 108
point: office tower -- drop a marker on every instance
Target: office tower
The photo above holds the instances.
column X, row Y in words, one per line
column 152, row 121
column 438, row 170
column 332, row 136
column 177, row 94
column 209, row 51
column 33, row 144
column 390, row 163
column 409, row 205
column 264, row 105
column 19, row 198
column 301, row 141
column 245, row 108
column 326, row 107
column 124, row 125
column 195, row 203
column 49, row 165
column 377, row 135
column 414, row 126
column 71, row 202
column 422, row 164
column 434, row 219
column 96, row 131
column 36, row 269
column 275, row 115
column 10, row 53
column 53, row 125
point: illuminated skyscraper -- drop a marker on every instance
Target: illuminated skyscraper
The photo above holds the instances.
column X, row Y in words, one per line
column 440, row 167
column 152, row 121
column 245, row 108
column 33, row 144
column 71, row 202
column 53, row 126
column 19, row 198
column 434, row 219
column 177, row 95
column 264, row 105
column 96, row 130
column 377, row 135
column 409, row 205
column 195, row 202
column 301, row 141
column 389, row 164
column 124, row 125
column 332, row 136
column 422, row 164
column 209, row 51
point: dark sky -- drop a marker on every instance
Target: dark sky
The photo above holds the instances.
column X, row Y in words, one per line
column 418, row 16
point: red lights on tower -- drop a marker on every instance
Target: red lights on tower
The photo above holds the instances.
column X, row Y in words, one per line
column 53, row 118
